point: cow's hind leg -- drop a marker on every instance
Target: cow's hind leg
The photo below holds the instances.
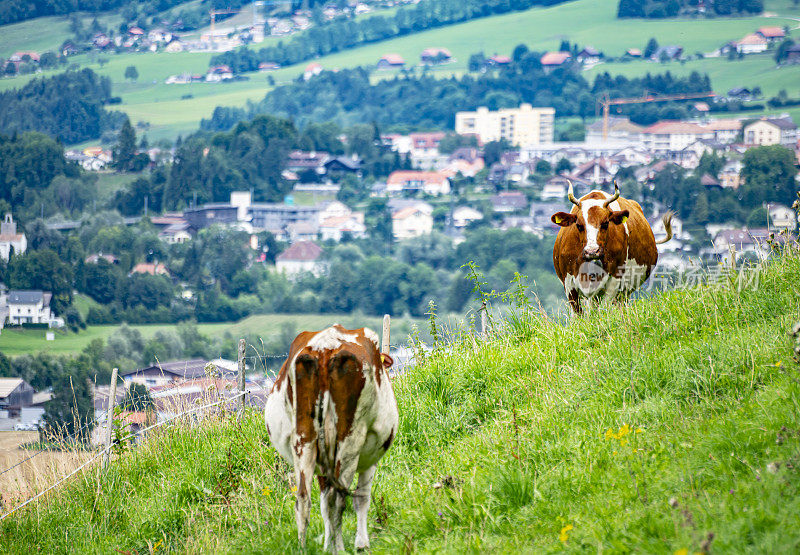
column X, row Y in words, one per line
column 327, row 505
column 304, row 465
column 361, row 499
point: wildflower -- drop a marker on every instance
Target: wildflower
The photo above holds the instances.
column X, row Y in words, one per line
column 682, row 551
column 639, row 431
column 157, row 545
column 265, row 492
column 563, row 536
column 294, row 489
column 778, row 364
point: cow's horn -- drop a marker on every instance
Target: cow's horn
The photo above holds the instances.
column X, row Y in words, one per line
column 614, row 197
column 571, row 195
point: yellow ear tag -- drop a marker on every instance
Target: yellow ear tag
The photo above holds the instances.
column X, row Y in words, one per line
column 558, row 219
column 625, row 219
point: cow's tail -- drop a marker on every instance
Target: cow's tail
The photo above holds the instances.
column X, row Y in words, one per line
column 327, row 437
column 667, row 220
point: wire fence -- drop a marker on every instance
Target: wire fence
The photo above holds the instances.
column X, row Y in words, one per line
column 108, row 448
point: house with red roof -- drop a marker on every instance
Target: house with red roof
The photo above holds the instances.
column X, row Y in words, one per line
column 312, row 69
column 552, row 60
column 389, row 61
column 302, row 257
column 750, row 44
column 772, row 34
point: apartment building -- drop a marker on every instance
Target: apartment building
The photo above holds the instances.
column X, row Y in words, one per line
column 520, row 126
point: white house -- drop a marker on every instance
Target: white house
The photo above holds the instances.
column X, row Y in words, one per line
column 411, row 221
column 29, row 307
column 431, row 183
column 464, row 215
column 301, row 257
column 10, row 240
column 782, row 217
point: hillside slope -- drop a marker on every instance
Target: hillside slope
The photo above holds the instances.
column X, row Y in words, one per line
column 670, row 425
column 177, row 109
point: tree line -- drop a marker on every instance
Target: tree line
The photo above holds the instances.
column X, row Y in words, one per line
column 420, row 100
column 335, row 36
column 658, row 9
column 68, row 106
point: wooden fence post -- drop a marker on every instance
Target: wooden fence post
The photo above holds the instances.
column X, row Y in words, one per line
column 385, row 338
column 112, row 400
column 484, row 321
column 242, row 368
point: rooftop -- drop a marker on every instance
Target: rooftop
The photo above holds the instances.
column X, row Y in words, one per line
column 555, row 58
column 301, row 251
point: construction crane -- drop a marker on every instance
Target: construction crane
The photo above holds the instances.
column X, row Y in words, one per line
column 607, row 102
column 214, row 13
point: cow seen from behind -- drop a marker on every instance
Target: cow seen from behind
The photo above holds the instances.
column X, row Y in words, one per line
column 605, row 247
column 332, row 412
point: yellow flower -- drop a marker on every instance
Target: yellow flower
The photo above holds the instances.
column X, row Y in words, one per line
column 778, row 364
column 624, row 430
column 294, row 489
column 563, row 536
column 609, row 434
column 157, row 545
column 265, row 491
column 683, row 551
column 639, row 431
column 623, row 442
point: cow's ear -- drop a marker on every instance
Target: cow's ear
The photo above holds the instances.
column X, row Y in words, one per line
column 386, row 360
column 619, row 217
column 564, row 219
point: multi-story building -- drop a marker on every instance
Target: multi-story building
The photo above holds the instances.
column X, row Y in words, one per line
column 771, row 131
column 520, row 126
column 276, row 217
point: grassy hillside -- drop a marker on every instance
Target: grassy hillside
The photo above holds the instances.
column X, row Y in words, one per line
column 590, row 22
column 670, row 426
column 20, row 341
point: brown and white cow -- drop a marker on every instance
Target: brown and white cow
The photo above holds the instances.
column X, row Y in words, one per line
column 332, row 412
column 605, row 247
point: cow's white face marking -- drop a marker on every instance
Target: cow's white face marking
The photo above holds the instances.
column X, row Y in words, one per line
column 330, row 339
column 372, row 336
column 592, row 231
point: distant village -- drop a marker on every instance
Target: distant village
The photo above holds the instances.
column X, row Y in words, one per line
column 510, row 190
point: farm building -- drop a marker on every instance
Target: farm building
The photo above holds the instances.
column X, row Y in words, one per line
column 389, row 61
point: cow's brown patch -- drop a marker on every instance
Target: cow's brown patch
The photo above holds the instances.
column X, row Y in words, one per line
column 307, row 381
column 301, row 487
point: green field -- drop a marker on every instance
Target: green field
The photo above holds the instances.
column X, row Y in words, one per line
column 587, row 22
column 670, row 425
column 755, row 70
column 15, row 341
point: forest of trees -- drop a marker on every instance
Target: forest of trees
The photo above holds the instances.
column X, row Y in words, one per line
column 671, row 8
column 68, row 106
column 424, row 101
column 335, row 36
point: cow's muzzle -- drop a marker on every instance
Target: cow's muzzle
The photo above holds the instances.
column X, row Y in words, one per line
column 592, row 254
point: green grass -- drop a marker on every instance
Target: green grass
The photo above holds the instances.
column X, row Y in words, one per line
column 671, row 424
column 45, row 33
column 755, row 70
column 17, row 341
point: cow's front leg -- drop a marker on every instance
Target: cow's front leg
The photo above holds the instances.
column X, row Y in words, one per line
column 361, row 499
column 305, row 459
